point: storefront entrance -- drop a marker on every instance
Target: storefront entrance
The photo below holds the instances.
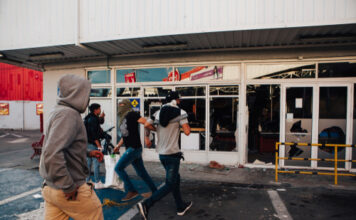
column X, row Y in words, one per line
column 309, row 113
column 238, row 112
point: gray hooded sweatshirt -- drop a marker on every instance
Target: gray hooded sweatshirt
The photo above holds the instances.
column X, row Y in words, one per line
column 63, row 162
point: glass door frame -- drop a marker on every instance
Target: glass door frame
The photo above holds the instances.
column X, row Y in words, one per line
column 315, row 120
column 349, row 118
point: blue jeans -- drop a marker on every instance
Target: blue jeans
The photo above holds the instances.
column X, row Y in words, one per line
column 133, row 156
column 171, row 165
column 93, row 160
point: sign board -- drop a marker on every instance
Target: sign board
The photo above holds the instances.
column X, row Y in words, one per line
column 39, row 108
column 4, row 109
column 135, row 103
column 298, row 103
column 130, row 77
column 172, row 76
column 215, row 72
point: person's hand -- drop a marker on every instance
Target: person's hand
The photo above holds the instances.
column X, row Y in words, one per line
column 97, row 154
column 148, row 142
column 102, row 115
column 116, row 149
column 72, row 195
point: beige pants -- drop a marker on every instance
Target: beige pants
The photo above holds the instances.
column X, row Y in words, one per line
column 87, row 205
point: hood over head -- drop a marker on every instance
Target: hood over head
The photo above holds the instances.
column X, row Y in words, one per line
column 74, row 91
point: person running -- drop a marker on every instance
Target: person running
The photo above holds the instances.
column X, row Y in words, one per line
column 94, row 132
column 63, row 163
column 129, row 127
column 168, row 121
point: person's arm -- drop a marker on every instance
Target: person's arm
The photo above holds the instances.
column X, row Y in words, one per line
column 186, row 129
column 61, row 134
column 143, row 121
column 185, row 124
column 117, row 148
column 98, row 145
column 150, row 126
column 95, row 153
column 102, row 118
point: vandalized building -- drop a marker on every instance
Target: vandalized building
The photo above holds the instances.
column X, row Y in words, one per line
column 250, row 73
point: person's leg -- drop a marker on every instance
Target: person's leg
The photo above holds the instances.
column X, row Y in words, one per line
column 176, row 191
column 170, row 166
column 90, row 206
column 86, row 206
column 182, row 207
column 124, row 161
column 142, row 172
column 96, row 164
column 52, row 212
column 90, row 147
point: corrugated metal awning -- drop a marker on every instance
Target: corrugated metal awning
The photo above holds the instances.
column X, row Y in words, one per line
column 334, row 35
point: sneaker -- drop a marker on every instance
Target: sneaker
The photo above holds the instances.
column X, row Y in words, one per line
column 184, row 210
column 143, row 210
column 129, row 196
column 99, row 185
column 146, row 195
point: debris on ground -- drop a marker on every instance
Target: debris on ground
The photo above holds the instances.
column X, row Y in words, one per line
column 215, row 165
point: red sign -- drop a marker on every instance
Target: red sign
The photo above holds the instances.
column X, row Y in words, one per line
column 39, row 108
column 4, row 108
column 130, row 77
column 172, row 77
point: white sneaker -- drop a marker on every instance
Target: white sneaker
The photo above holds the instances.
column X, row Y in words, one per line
column 99, row 185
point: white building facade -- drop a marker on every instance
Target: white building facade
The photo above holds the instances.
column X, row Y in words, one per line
column 250, row 72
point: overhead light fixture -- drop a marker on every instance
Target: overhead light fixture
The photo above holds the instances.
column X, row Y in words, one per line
column 327, row 38
column 1, row 55
column 46, row 56
column 165, row 46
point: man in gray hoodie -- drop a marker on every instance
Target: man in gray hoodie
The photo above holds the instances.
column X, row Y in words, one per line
column 63, row 162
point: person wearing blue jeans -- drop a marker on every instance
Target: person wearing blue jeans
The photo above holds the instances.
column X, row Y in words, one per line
column 94, row 134
column 129, row 123
column 167, row 123
column 133, row 156
column 96, row 164
column 171, row 165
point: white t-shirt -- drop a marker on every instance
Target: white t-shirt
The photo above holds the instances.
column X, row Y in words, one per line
column 168, row 136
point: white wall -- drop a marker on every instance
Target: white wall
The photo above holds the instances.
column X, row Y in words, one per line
column 122, row 19
column 50, row 79
column 46, row 23
column 22, row 116
column 36, row 23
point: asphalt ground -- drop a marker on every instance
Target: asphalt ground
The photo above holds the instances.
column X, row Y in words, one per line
column 20, row 196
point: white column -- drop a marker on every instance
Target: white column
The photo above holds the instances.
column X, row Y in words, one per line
column 243, row 127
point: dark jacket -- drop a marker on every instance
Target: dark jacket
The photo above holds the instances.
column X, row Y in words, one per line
column 92, row 125
column 167, row 113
